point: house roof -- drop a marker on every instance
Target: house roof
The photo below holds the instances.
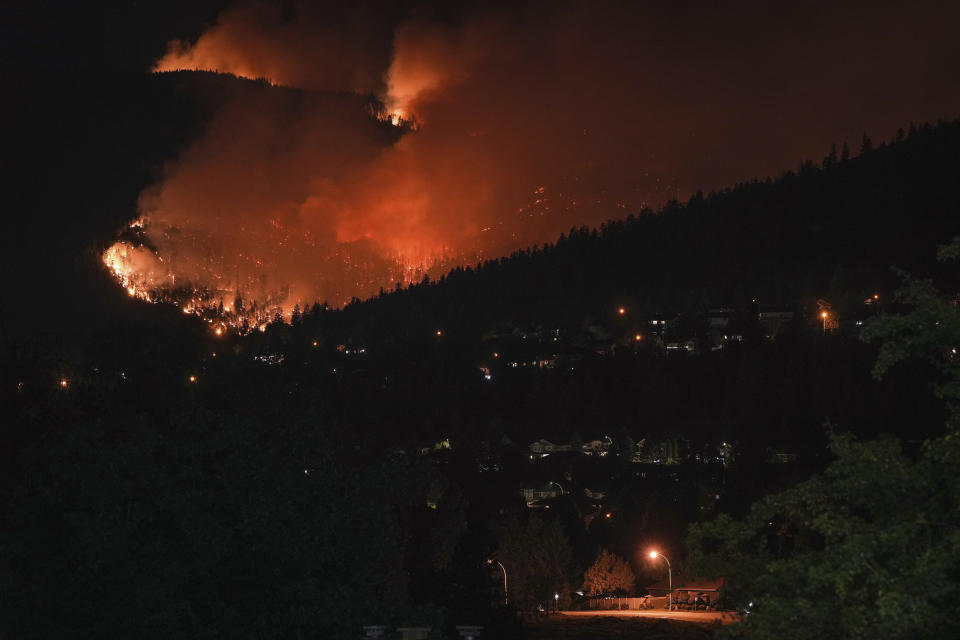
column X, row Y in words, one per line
column 693, row 584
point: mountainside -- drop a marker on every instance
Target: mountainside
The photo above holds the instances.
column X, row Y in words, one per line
column 79, row 148
column 828, row 231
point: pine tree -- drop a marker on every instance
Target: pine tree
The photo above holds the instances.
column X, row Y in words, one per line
column 831, row 158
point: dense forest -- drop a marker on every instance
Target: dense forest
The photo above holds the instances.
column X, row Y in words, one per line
column 364, row 464
column 830, row 230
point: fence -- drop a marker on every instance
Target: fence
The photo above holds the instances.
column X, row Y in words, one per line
column 626, row 604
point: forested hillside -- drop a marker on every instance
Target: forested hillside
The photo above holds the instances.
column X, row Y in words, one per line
column 831, row 230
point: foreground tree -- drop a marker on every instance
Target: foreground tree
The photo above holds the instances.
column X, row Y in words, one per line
column 607, row 575
column 538, row 560
column 196, row 528
column 870, row 548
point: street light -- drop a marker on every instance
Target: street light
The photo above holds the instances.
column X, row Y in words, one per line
column 653, row 555
column 824, row 315
column 556, row 603
column 506, row 602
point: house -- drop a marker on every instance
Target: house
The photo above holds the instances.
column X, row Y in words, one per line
column 537, row 493
column 775, row 320
column 542, row 448
column 686, row 346
column 598, row 447
column 660, row 324
column 718, row 318
column 710, row 586
column 595, row 494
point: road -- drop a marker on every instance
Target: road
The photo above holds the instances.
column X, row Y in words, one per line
column 703, row 617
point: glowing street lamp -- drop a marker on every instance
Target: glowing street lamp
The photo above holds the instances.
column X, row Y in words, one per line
column 622, row 311
column 824, row 315
column 653, row 556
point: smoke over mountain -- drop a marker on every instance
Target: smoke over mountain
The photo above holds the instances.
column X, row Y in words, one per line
column 496, row 128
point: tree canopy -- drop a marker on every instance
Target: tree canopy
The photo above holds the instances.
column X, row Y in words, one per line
column 538, row 560
column 609, row 574
column 870, row 548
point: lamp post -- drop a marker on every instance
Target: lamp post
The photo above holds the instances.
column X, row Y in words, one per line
column 654, row 554
column 506, row 602
column 824, row 314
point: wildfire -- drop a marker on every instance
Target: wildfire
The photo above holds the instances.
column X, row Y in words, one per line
column 136, row 268
column 291, row 198
column 246, row 289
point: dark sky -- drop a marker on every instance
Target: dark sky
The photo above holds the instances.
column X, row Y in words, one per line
column 63, row 34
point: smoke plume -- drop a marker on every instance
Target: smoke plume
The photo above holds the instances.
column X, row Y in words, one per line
column 420, row 141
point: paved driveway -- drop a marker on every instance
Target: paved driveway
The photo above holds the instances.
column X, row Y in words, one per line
column 704, row 617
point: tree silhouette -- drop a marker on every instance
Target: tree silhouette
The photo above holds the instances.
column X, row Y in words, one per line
column 537, row 557
column 609, row 574
column 870, row 548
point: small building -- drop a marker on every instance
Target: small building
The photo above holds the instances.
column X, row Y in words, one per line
column 686, row 346
column 774, row 321
column 538, row 493
column 696, row 585
column 542, row 448
column 717, row 318
column 597, row 447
